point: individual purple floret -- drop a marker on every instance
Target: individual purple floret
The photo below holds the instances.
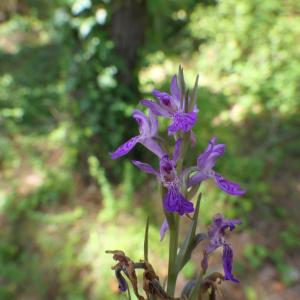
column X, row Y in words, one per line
column 148, row 129
column 216, row 235
column 173, row 201
column 205, row 164
column 170, row 106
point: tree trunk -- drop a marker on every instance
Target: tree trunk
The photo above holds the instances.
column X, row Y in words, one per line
column 127, row 30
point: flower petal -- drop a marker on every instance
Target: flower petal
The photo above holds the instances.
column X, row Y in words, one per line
column 207, row 160
column 153, row 146
column 174, row 201
column 126, row 147
column 145, row 167
column 167, row 169
column 208, row 249
column 227, row 186
column 155, row 108
column 143, row 122
column 230, row 224
column 163, row 229
column 182, row 121
column 197, row 178
column 153, row 123
column 227, row 263
column 177, row 149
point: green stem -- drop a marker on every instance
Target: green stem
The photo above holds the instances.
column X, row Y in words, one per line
column 173, row 246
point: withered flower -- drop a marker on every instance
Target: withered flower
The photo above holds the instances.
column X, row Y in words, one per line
column 151, row 283
column 125, row 265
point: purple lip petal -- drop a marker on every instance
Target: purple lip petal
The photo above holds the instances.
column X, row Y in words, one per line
column 125, row 148
column 182, row 121
column 205, row 163
column 227, row 263
column 227, row 186
column 174, row 201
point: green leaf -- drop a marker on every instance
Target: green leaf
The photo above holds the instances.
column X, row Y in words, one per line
column 146, row 240
column 186, row 101
column 189, row 242
column 129, row 295
column 181, row 84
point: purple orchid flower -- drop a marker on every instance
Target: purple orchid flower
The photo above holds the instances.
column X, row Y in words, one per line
column 173, row 201
column 148, row 129
column 216, row 235
column 170, row 106
column 205, row 163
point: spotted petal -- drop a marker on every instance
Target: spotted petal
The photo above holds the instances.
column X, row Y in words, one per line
column 182, row 121
column 227, row 186
column 126, row 147
column 227, row 263
column 174, row 201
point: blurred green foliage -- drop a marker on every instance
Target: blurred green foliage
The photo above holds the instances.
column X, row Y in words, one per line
column 66, row 95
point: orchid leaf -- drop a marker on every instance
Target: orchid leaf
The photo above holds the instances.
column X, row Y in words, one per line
column 146, row 240
column 194, row 95
column 186, row 101
column 188, row 244
column 181, row 84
